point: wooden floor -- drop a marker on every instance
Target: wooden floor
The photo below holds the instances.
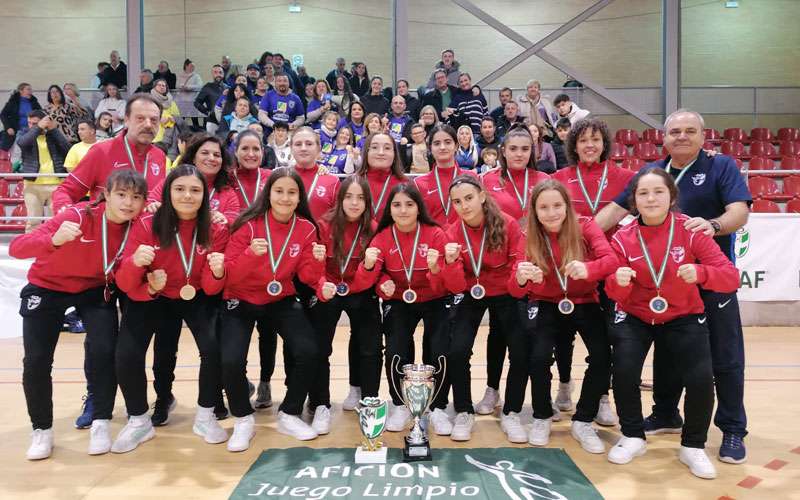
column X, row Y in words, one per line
column 178, row 464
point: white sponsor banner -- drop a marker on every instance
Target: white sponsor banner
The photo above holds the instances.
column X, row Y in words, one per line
column 767, row 253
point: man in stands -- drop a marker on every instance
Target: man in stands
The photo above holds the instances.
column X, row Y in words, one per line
column 337, row 72
column 281, row 105
column 145, row 81
column 87, row 132
column 441, row 96
column 208, row 96
column 116, row 72
column 505, row 96
column 715, row 196
column 450, row 66
column 510, row 117
column 568, row 109
column 536, row 109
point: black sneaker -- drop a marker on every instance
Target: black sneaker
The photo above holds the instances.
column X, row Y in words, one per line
column 220, row 411
column 655, row 424
column 732, row 450
column 161, row 410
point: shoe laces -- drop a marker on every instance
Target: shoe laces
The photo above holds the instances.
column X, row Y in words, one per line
column 586, row 431
column 37, row 436
column 462, row 419
column 539, row 424
column 732, row 441
column 512, row 420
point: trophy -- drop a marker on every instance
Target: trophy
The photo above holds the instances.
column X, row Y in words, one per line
column 417, row 393
column 372, row 422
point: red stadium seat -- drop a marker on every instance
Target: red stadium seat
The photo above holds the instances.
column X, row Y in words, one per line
column 633, row 164
column 736, row 135
column 789, row 163
column 618, row 152
column 5, row 166
column 709, row 145
column 735, row 149
column 19, row 211
column 626, row 136
column 765, row 207
column 762, row 187
column 791, row 185
column 761, row 134
column 5, row 155
column 761, row 163
column 646, row 151
column 3, row 189
column 763, row 148
column 789, row 148
column 789, row 134
column 712, row 135
column 793, row 206
column 653, row 135
column 18, row 191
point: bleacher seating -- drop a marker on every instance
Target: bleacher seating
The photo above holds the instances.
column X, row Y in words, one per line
column 765, row 207
column 619, row 152
column 763, row 148
column 626, row 136
column 761, row 134
column 653, row 135
column 712, row 135
column 735, row 149
column 761, row 163
column 789, row 134
column 789, row 148
column 646, row 151
column 633, row 164
column 793, row 206
column 736, row 135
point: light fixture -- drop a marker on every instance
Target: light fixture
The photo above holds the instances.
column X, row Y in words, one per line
column 731, row 4
column 294, row 8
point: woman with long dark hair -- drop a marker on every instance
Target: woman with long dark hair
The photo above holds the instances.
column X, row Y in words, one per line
column 559, row 265
column 359, row 82
column 343, row 96
column 478, row 257
column 64, row 113
column 656, row 287
column 226, row 104
column 272, row 242
column 171, row 272
column 76, row 254
column 382, row 167
column 320, row 104
column 355, row 119
column 248, row 177
column 405, row 259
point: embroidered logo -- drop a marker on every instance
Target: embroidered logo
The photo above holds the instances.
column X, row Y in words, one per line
column 214, row 204
column 698, row 179
column 155, row 168
column 118, row 164
column 33, row 302
column 423, row 250
column 321, row 191
column 678, row 253
column 294, row 250
column 232, row 304
column 619, row 316
column 533, row 310
column 457, row 298
column 312, row 301
column 200, row 250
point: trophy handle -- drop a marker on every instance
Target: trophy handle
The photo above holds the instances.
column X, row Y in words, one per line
column 442, row 369
column 392, row 370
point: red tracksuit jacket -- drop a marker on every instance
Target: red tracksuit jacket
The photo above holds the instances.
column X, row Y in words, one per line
column 599, row 259
column 616, row 181
column 714, row 270
column 377, row 179
column 247, row 180
column 323, row 197
column 75, row 266
column 496, row 266
column 225, row 201
column 357, row 281
column 503, row 192
column 132, row 279
column 430, row 194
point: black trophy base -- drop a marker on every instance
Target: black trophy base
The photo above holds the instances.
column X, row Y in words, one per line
column 417, row 452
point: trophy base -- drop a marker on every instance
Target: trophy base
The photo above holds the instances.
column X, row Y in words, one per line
column 416, row 452
column 371, row 457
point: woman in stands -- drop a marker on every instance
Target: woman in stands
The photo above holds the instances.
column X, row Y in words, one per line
column 345, row 231
column 661, row 265
column 171, row 272
column 339, row 160
column 478, row 258
column 383, row 169
column 104, row 126
column 343, row 97
column 405, row 259
column 355, row 119
column 112, row 103
column 272, row 242
column 545, row 156
column 559, row 265
column 76, row 254
column 320, row 104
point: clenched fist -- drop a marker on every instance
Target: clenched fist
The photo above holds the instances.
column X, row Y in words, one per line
column 388, row 288
column 258, row 246
column 216, row 261
column 328, row 290
column 371, row 257
column 624, row 275
column 688, row 273
column 451, row 252
column 528, row 271
column 318, row 251
column 218, row 217
column 433, row 260
column 144, row 255
column 156, row 281
column 67, row 231
column 576, row 270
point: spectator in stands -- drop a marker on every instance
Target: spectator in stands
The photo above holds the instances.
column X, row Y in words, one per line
column 64, row 114
column 113, row 104
column 281, row 105
column 262, row 87
column 545, row 156
column 252, row 77
column 320, row 103
column 505, row 96
column 340, row 159
column 442, row 94
column 97, row 80
column 428, row 118
column 468, row 105
column 304, row 77
column 568, row 109
column 355, row 120
column 229, row 70
column 510, row 117
column 43, row 149
column 450, row 66
column 281, row 65
column 359, row 82
column 210, row 93
column 343, row 96
column 374, row 101
column 104, row 126
column 265, row 60
column 168, row 129
column 145, row 81
column 487, row 138
column 572, row 82
column 15, row 114
column 420, row 162
column 88, row 136
column 307, row 95
column 489, row 159
column 280, row 144
column 327, row 131
column 337, row 72
column 269, row 75
column 398, row 121
column 189, row 80
column 116, row 72
column 165, row 73
column 535, row 109
column 412, row 103
column 227, row 102
column 82, row 108
column 467, row 155
column 239, row 120
column 563, row 126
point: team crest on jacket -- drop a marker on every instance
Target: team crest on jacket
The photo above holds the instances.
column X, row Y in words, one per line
column 33, row 302
column 155, row 168
column 214, row 204
column 312, row 301
column 457, row 298
column 698, row 179
column 294, row 250
column 678, row 253
column 423, row 250
column 533, row 310
column 321, row 191
column 200, row 250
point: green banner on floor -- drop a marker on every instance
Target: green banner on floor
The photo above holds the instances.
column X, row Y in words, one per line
column 464, row 473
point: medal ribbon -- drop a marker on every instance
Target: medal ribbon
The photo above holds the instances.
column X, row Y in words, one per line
column 107, row 266
column 244, row 193
column 380, row 198
column 445, row 207
column 187, row 267
column 476, row 265
column 592, row 205
column 523, row 200
column 408, row 270
column 562, row 279
column 657, row 278
column 130, row 157
column 275, row 263
column 682, row 172
column 343, row 265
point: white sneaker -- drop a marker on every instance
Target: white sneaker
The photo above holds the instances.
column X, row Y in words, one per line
column 138, row 430
column 556, row 413
column 207, row 427
column 352, row 399
column 293, row 425
column 243, row 432
column 564, row 396
column 585, row 434
column 440, row 422
column 487, row 404
column 322, row 420
column 605, row 413
column 462, row 428
column 626, row 449
column 698, row 462
column 41, row 444
column 539, row 434
column 513, row 428
column 398, row 418
column 100, row 437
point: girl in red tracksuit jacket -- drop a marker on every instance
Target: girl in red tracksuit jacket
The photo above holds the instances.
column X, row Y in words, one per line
column 405, row 258
column 480, row 252
column 433, row 186
column 560, row 263
column 661, row 265
column 383, row 169
column 319, row 187
column 171, row 271
column 272, row 242
column 76, row 253
column 346, row 230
